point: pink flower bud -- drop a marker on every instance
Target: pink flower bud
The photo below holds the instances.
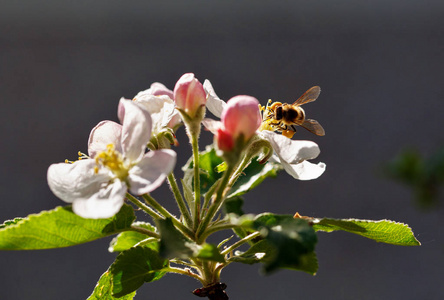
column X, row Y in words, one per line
column 241, row 116
column 189, row 94
column 224, row 140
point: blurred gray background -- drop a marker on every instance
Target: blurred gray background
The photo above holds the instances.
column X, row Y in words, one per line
column 65, row 64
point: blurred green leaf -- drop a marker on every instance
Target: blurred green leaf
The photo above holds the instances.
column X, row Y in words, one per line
column 104, row 288
column 424, row 175
column 234, row 206
column 173, row 244
column 61, row 228
column 134, row 267
column 264, row 252
column 210, row 252
column 384, row 231
column 289, row 241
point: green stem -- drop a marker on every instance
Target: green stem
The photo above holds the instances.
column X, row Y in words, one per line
column 144, row 231
column 208, row 196
column 195, row 146
column 245, row 162
column 216, row 205
column 151, row 201
column 216, row 228
column 187, row 272
column 240, row 242
column 207, row 273
column 144, row 207
column 179, row 199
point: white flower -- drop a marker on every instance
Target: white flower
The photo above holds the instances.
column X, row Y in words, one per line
column 158, row 101
column 96, row 186
column 291, row 154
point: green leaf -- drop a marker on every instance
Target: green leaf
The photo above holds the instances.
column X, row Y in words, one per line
column 234, row 206
column 128, row 239
column 173, row 244
column 211, row 167
column 291, row 240
column 264, row 252
column 208, row 163
column 252, row 176
column 384, row 231
column 61, row 228
column 104, row 288
column 134, row 267
column 10, row 222
column 210, row 252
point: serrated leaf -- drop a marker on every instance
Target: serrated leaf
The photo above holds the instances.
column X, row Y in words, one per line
column 384, row 231
column 104, row 288
column 173, row 244
column 61, row 228
column 292, row 239
column 10, row 222
column 210, row 252
column 134, row 267
column 128, row 239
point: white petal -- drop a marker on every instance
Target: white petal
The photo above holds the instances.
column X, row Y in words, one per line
column 289, row 150
column 156, row 89
column 153, row 104
column 136, row 129
column 214, row 104
column 105, row 203
column 77, row 180
column 211, row 125
column 162, row 110
column 105, row 133
column 304, row 170
column 151, row 171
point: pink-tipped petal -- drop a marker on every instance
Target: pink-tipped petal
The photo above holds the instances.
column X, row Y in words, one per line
column 105, row 133
column 136, row 130
column 151, row 171
column 162, row 110
column 159, row 89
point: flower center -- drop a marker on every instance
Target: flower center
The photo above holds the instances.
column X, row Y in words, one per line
column 268, row 117
column 113, row 161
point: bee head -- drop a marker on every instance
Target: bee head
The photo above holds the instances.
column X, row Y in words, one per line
column 278, row 113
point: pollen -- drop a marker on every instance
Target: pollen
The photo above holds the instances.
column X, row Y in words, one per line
column 112, row 160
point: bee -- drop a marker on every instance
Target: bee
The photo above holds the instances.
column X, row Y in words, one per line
column 285, row 117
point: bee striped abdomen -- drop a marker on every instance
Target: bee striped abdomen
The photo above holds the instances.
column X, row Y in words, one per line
column 292, row 115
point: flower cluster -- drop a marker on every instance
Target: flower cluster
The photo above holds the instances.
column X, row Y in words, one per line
column 126, row 161
column 118, row 160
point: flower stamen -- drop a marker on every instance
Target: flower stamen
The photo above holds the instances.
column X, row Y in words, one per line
column 113, row 161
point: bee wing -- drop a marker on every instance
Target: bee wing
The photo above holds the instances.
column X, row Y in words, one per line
column 309, row 96
column 313, row 126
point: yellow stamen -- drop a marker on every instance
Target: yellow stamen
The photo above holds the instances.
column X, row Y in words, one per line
column 113, row 160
